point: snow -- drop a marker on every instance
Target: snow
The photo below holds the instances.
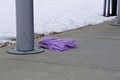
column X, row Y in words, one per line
column 52, row 16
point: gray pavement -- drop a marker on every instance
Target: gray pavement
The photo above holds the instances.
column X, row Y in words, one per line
column 96, row 58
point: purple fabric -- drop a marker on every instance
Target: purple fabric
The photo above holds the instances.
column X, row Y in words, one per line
column 56, row 44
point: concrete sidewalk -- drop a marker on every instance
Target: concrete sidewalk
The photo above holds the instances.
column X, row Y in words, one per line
column 96, row 58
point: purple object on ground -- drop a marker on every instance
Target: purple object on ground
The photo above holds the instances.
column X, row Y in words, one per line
column 56, row 44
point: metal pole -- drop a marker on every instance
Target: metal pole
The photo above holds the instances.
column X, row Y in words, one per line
column 25, row 28
column 114, row 8
column 117, row 23
column 108, row 11
column 104, row 11
column 118, row 19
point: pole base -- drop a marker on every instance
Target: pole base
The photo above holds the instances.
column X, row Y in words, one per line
column 15, row 52
column 114, row 24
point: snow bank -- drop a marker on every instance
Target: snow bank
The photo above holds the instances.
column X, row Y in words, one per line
column 53, row 16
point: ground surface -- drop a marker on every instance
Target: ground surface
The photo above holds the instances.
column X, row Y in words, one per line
column 96, row 58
